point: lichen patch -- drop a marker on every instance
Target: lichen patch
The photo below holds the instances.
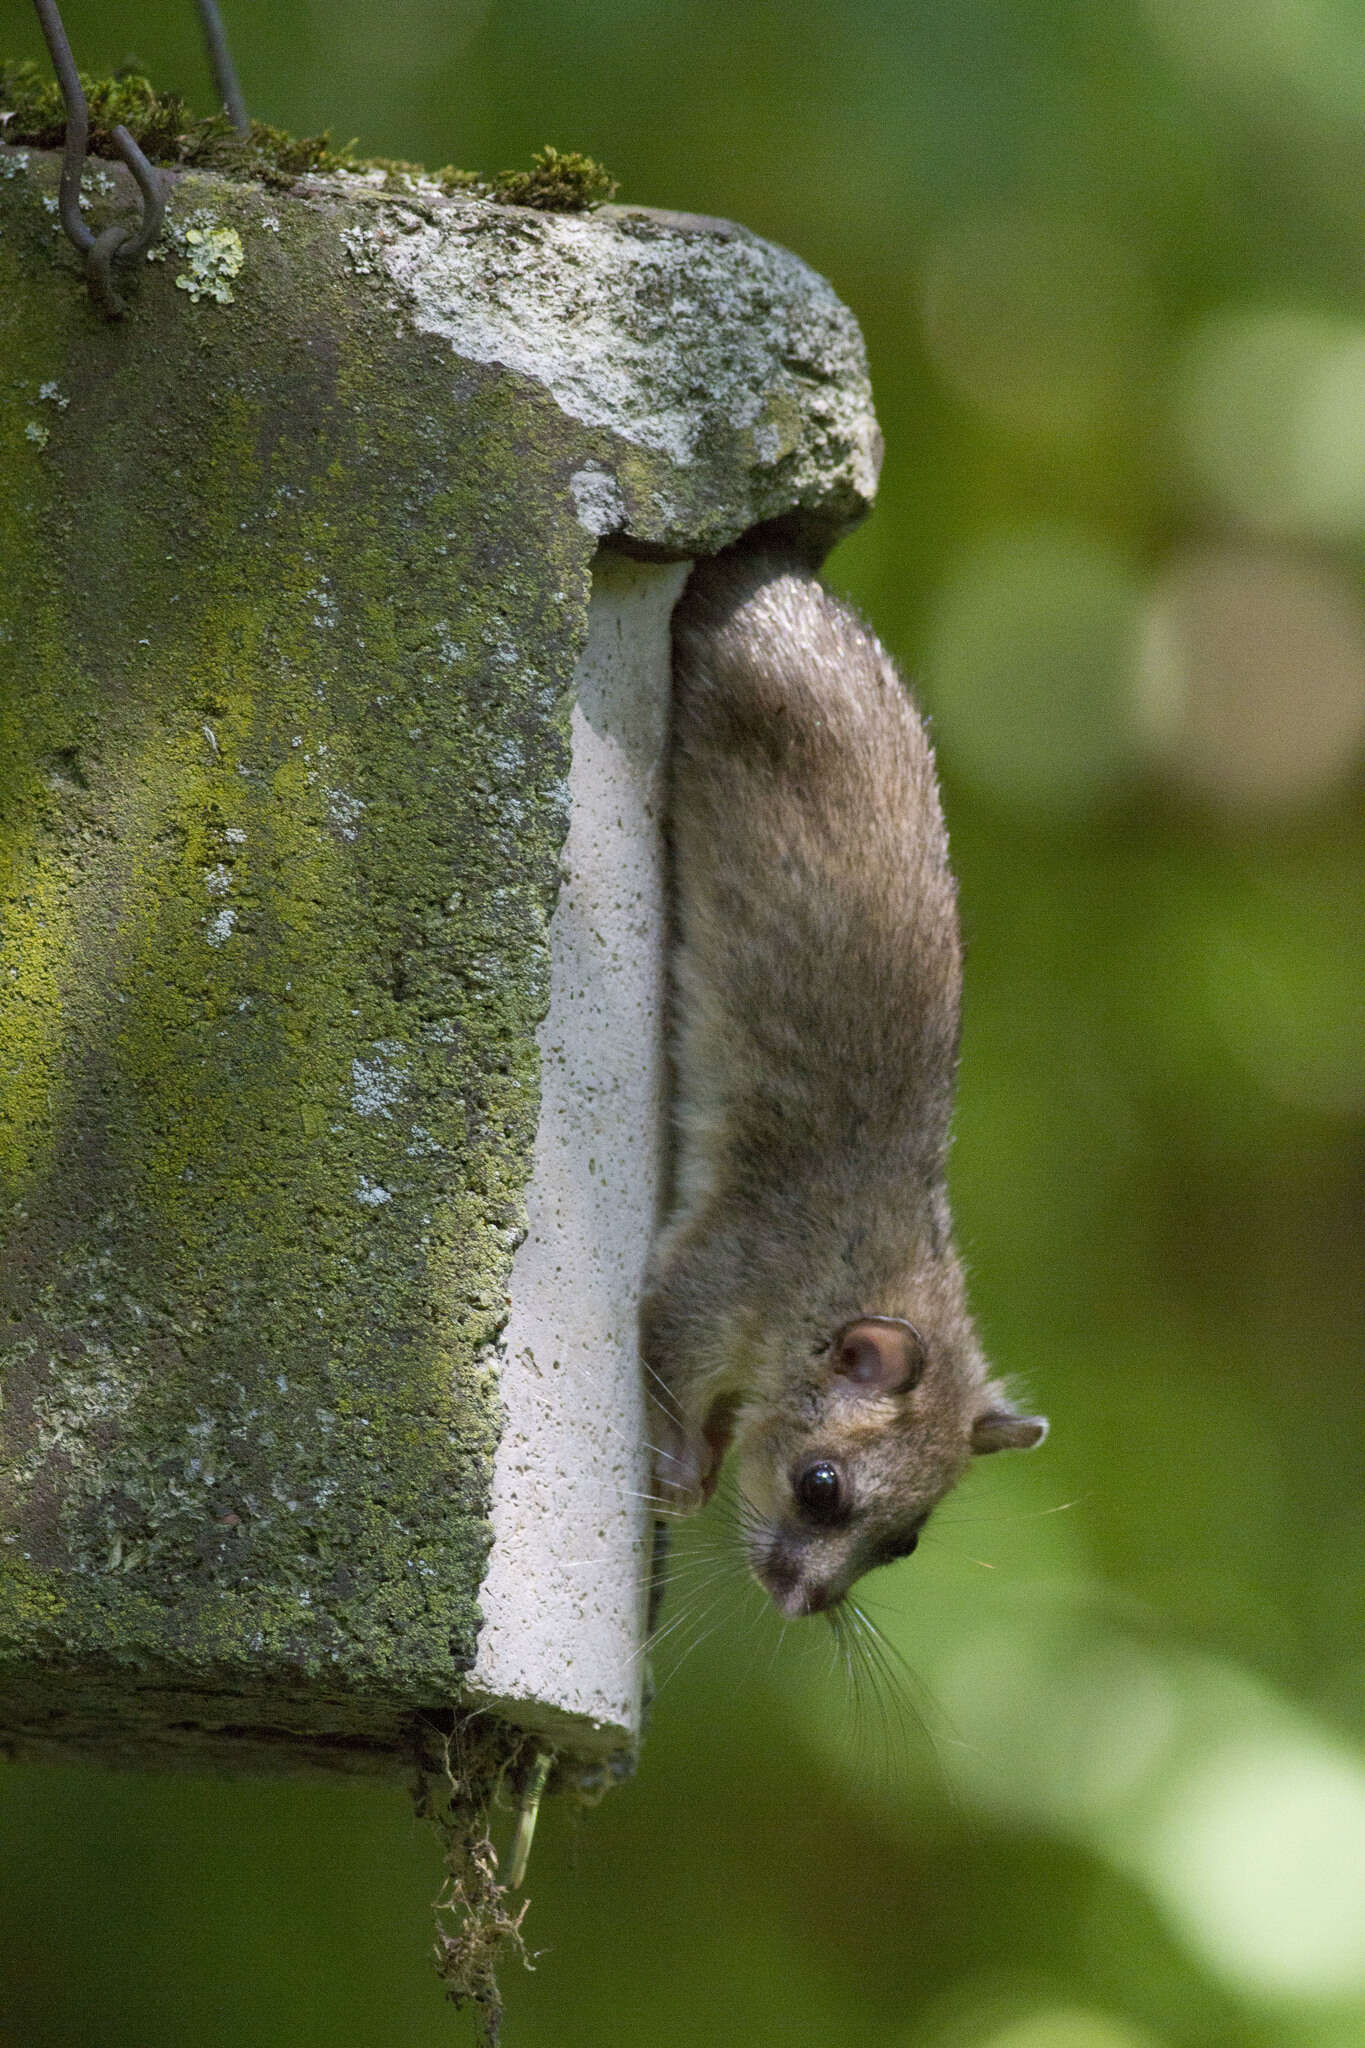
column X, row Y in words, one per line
column 214, row 256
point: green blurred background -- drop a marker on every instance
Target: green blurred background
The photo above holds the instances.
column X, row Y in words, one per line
column 1109, row 257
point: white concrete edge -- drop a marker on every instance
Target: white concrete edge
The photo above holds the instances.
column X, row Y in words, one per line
column 565, row 1595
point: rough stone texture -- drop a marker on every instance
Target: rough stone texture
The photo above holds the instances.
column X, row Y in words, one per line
column 565, row 1596
column 294, row 575
column 688, row 338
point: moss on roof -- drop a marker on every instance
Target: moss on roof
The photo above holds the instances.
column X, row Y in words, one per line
column 32, row 113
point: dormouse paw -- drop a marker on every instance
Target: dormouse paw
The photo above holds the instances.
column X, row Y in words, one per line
column 687, row 1461
column 683, row 1478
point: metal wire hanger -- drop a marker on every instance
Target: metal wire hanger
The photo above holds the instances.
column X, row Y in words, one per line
column 122, row 241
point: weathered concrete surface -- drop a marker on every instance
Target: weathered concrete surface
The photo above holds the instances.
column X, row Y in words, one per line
column 294, row 576
column 565, row 1596
column 685, row 337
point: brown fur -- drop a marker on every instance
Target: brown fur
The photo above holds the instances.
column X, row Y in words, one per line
column 816, row 986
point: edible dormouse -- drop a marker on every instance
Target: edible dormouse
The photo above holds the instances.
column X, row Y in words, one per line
column 805, row 1302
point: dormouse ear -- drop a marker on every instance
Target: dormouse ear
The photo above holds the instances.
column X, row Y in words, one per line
column 880, row 1355
column 1002, row 1428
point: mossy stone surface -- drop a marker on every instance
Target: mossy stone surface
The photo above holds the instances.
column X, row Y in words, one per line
column 33, row 111
column 292, row 587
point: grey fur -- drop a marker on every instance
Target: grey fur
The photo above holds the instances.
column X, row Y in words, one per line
column 816, row 988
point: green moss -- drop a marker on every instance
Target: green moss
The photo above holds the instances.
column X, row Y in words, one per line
column 37, row 942
column 280, row 843
column 290, row 603
column 157, row 122
column 560, row 182
column 34, row 1603
column 162, row 126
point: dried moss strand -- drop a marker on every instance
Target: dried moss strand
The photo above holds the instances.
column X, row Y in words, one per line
column 476, row 1924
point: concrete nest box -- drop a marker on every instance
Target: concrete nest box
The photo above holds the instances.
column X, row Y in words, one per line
column 334, row 599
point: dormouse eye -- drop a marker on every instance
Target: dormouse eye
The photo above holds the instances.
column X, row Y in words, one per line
column 820, row 1492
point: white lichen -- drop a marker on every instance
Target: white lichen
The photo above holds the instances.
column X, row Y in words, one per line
column 677, row 339
column 377, row 1084
column 598, row 501
column 344, row 812
column 768, row 444
column 359, row 249
column 213, row 256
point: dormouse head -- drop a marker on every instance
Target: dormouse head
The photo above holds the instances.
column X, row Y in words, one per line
column 886, row 1423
